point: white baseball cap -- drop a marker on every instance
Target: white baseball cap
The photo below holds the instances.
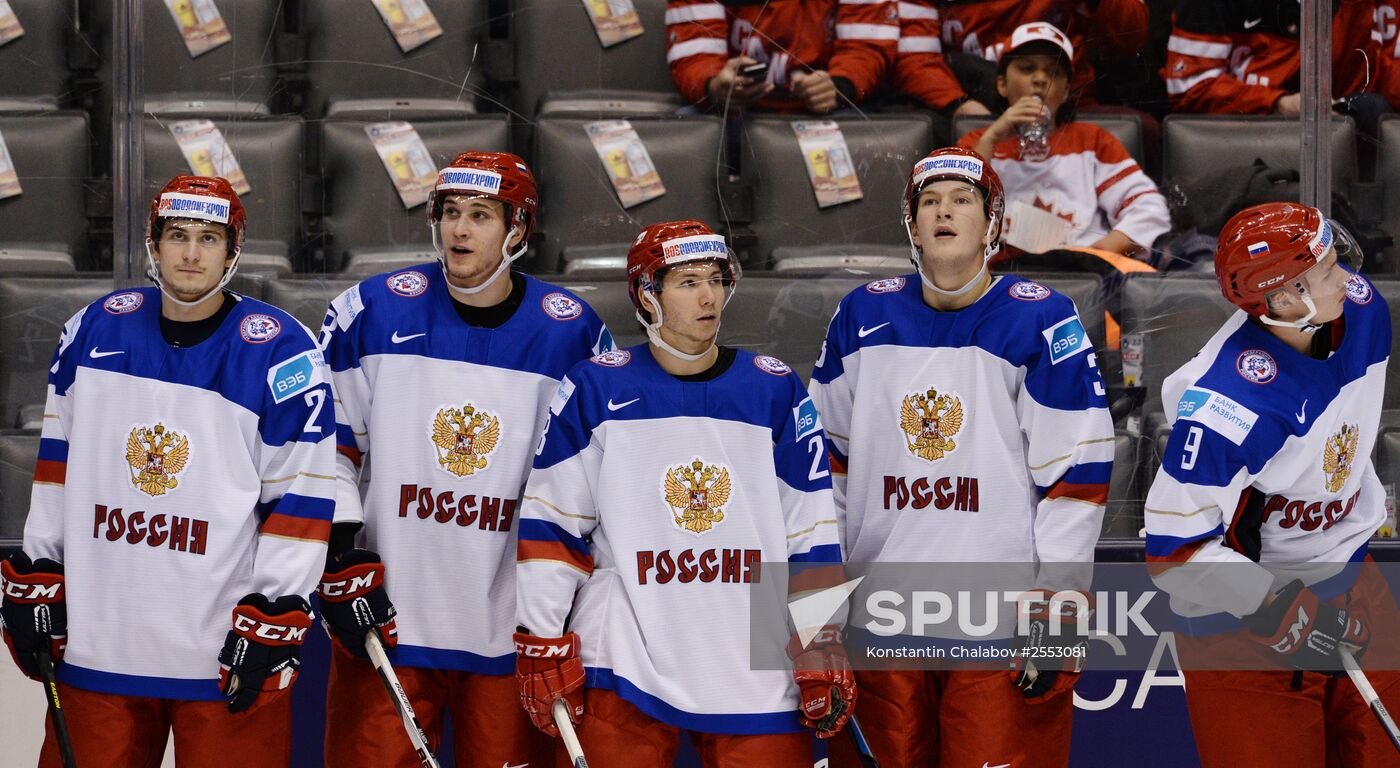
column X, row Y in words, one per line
column 1038, row 32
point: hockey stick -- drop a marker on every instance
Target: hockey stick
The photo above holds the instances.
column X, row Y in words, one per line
column 863, row 751
column 60, row 720
column 566, row 731
column 1369, row 695
column 400, row 699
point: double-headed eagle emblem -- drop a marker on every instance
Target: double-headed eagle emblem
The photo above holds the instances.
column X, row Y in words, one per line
column 1338, row 456
column 463, row 437
column 156, row 456
column 697, row 494
column 930, row 421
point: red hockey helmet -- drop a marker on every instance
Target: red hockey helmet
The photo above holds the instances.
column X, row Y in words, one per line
column 1270, row 247
column 495, row 175
column 203, row 198
column 672, row 243
column 956, row 163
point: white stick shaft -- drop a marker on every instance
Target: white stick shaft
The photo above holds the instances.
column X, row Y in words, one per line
column 566, row 731
column 401, row 702
column 1368, row 693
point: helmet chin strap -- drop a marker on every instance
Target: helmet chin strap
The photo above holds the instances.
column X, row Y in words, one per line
column 654, row 330
column 916, row 256
column 507, row 258
column 1303, row 324
column 153, row 272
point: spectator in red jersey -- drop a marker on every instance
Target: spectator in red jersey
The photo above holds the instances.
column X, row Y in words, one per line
column 808, row 67
column 1084, row 185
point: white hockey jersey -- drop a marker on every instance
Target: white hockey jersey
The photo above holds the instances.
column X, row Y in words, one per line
column 172, row 482
column 976, row 435
column 1269, row 462
column 448, row 416
column 656, row 500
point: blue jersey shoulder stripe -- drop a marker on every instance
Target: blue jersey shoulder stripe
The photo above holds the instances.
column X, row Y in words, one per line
column 53, row 449
column 532, row 529
column 822, row 553
column 296, row 505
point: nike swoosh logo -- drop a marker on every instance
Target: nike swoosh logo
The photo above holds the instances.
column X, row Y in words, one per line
column 1003, row 765
column 521, row 765
column 94, row 354
column 863, row 332
column 397, row 339
column 1247, row 25
column 1302, row 414
column 619, row 406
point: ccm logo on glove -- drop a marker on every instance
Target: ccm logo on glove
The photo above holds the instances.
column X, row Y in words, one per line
column 252, row 628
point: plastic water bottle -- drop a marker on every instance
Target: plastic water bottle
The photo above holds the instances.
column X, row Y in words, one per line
column 1035, row 138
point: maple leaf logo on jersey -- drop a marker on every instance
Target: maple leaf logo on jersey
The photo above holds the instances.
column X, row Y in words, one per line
column 156, row 456
column 1337, row 458
column 697, row 494
column 464, row 436
column 930, row 421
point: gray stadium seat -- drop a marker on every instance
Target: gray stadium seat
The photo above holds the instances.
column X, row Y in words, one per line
column 1176, row 317
column 1389, row 287
column 269, row 149
column 18, row 452
column 1196, row 144
column 579, row 206
column 556, row 49
column 1388, row 173
column 1126, row 490
column 352, row 56
column 362, row 213
column 50, row 152
column 35, row 310
column 881, row 259
column 236, row 78
column 34, row 68
column 1126, row 128
column 306, row 298
column 606, row 103
column 1388, row 462
column 785, row 316
column 883, row 150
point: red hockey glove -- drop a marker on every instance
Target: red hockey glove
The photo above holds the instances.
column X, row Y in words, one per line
column 263, row 650
column 1305, row 631
column 1049, row 658
column 825, row 681
column 353, row 601
column 549, row 669
column 32, row 612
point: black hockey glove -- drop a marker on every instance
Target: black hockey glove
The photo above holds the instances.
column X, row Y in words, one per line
column 353, row 601
column 1049, row 658
column 263, row 650
column 32, row 610
column 1305, row 631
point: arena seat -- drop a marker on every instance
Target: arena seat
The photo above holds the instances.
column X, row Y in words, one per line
column 879, row 259
column 1388, row 286
column 45, row 227
column 1126, row 128
column 556, row 50
column 306, row 297
column 236, row 78
column 1176, row 316
column 269, row 150
column 601, row 104
column 1388, row 173
column 18, row 452
column 34, row 68
column 581, row 208
column 353, row 63
column 1388, row 461
column 35, row 310
column 362, row 212
column 1197, row 144
column 883, row 150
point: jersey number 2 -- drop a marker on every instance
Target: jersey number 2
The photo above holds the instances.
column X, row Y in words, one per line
column 817, row 447
column 316, row 398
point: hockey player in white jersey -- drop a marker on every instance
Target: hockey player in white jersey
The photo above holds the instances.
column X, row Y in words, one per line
column 967, row 422
column 1259, row 517
column 182, row 499
column 443, row 373
column 668, row 472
